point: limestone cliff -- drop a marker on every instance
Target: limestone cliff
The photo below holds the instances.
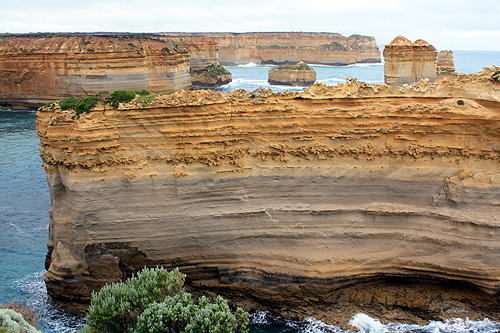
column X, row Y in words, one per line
column 407, row 62
column 291, row 47
column 203, row 51
column 297, row 75
column 328, row 202
column 39, row 68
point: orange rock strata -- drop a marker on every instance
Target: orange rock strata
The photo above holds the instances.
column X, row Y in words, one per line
column 291, row 47
column 323, row 203
column 39, row 68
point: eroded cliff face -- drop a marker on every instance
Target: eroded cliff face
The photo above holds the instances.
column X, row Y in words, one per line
column 203, row 51
column 327, row 202
column 291, row 47
column 36, row 69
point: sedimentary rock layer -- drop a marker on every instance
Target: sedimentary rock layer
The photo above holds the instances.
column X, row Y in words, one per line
column 203, row 51
column 291, row 47
column 39, row 68
column 335, row 200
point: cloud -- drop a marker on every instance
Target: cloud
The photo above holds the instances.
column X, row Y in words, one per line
column 458, row 24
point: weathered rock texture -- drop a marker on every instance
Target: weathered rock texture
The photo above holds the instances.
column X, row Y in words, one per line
column 291, row 47
column 39, row 68
column 407, row 62
column 327, row 202
column 203, row 51
column 297, row 75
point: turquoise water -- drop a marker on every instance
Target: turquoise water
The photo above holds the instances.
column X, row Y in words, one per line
column 24, row 204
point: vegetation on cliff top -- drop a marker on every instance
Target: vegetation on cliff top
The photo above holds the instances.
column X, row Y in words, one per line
column 333, row 46
column 300, row 66
column 154, row 301
column 213, row 69
column 85, row 104
column 496, row 76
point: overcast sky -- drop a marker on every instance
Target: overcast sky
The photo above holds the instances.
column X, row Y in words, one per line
column 447, row 24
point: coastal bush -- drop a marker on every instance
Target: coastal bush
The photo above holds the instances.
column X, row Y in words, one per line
column 301, row 66
column 171, row 48
column 496, row 76
column 13, row 322
column 154, row 300
column 333, row 46
column 85, row 104
column 124, row 96
column 68, row 103
column 213, row 69
column 121, row 96
column 28, row 313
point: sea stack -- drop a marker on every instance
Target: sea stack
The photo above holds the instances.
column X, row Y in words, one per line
column 326, row 202
column 407, row 62
column 445, row 66
column 39, row 68
column 298, row 75
column 214, row 75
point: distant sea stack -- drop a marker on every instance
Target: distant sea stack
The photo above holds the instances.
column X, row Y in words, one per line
column 288, row 48
column 39, row 68
column 298, row 75
column 326, row 202
column 407, row 62
column 445, row 65
column 214, row 75
column 206, row 71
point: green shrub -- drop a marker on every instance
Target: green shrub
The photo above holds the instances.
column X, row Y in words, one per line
column 154, row 301
column 121, row 96
column 28, row 313
column 85, row 104
column 216, row 317
column 496, row 76
column 68, row 103
column 333, row 46
column 300, row 66
column 213, row 69
column 13, row 322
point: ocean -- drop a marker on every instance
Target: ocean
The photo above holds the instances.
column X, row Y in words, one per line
column 25, row 199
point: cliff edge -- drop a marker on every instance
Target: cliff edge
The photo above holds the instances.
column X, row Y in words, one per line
column 38, row 68
column 288, row 48
column 328, row 202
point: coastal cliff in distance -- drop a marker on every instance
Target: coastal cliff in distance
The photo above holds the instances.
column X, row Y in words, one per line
column 39, row 68
column 328, row 202
column 291, row 47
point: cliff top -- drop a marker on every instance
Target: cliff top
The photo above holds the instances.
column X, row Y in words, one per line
column 402, row 41
column 300, row 66
column 483, row 85
column 84, row 43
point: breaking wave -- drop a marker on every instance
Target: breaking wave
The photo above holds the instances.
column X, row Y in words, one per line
column 265, row 321
column 51, row 318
